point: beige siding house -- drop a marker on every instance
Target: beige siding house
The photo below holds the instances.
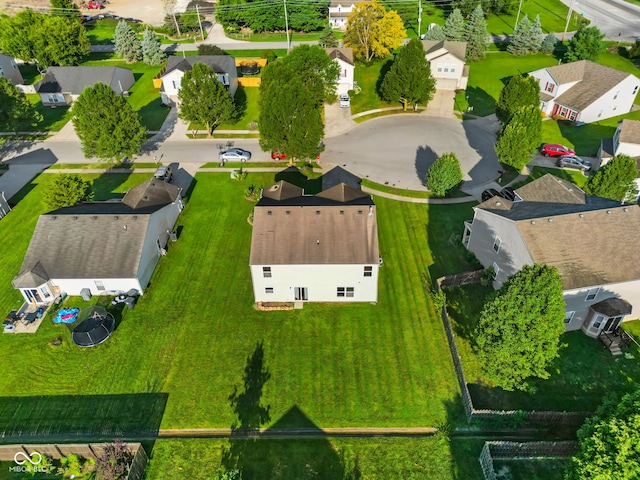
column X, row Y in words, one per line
column 585, row 91
column 63, row 85
column 588, row 239
column 105, row 247
column 315, row 248
column 447, row 60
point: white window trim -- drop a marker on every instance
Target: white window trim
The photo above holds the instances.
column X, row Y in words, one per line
column 568, row 317
column 589, row 294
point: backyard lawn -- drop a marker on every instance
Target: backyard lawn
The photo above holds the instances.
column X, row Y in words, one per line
column 583, row 374
column 186, row 344
column 246, row 100
column 144, row 97
column 368, row 78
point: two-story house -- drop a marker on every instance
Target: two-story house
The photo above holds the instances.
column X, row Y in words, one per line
column 585, row 91
column 9, row 70
column 447, row 60
column 590, row 240
column 339, row 10
column 344, row 58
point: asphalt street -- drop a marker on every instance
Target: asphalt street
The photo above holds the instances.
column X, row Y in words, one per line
column 617, row 19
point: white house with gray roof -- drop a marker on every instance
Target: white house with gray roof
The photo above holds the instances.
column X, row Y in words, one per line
column 315, row 248
column 590, row 240
column 447, row 60
column 63, row 85
column 339, row 11
column 106, row 247
column 9, row 70
column 585, row 92
column 344, row 58
column 223, row 65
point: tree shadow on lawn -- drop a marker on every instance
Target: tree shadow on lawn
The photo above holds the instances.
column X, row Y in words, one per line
column 386, row 66
column 585, row 138
column 483, row 104
column 294, row 176
column 258, row 458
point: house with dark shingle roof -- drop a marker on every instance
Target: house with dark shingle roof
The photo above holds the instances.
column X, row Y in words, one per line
column 106, row 247
column 223, row 65
column 447, row 61
column 315, row 248
column 585, row 91
column 344, row 58
column 63, row 85
column 588, row 239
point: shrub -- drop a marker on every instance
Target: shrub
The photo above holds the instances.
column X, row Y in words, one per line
column 270, row 55
column 208, row 49
column 69, row 190
column 444, row 174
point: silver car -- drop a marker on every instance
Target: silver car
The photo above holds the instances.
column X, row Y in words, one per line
column 234, row 155
column 574, row 162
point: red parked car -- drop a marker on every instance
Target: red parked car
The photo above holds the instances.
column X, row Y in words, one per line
column 556, row 150
column 93, row 5
column 277, row 156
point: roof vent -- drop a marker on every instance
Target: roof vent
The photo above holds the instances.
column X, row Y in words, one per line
column 608, row 212
column 75, row 218
column 288, row 212
column 269, row 212
column 317, row 212
column 95, row 217
column 115, row 217
column 550, row 220
column 341, row 212
column 318, row 242
column 124, row 227
column 533, row 222
column 274, row 187
column 135, row 217
column 359, row 212
column 498, row 203
column 625, row 209
column 581, row 215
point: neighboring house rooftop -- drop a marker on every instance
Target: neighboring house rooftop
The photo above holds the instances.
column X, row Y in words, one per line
column 630, row 131
column 92, row 239
column 344, row 53
column 336, row 226
column 338, row 175
column 435, row 49
column 217, row 63
column 587, row 238
column 593, row 81
column 74, row 80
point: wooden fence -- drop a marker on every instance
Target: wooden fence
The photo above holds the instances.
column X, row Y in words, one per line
column 56, row 451
column 516, row 451
column 249, row 81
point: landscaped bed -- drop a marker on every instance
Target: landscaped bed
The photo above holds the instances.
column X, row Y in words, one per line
column 583, row 374
column 191, row 333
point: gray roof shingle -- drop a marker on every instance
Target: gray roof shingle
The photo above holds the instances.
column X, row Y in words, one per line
column 74, row 80
column 217, row 63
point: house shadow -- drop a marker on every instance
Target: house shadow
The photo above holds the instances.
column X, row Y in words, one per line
column 294, row 176
column 425, row 156
column 166, row 130
column 271, row 453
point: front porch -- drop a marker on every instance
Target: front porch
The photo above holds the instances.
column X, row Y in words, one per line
column 617, row 340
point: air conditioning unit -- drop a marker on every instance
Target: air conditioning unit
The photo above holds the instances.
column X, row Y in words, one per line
column 125, row 93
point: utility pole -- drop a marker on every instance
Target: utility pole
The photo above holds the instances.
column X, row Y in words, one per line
column 568, row 19
column 200, row 22
column 286, row 24
column 419, row 18
column 177, row 26
column 518, row 15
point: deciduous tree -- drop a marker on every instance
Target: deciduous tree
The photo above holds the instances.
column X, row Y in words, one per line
column 455, row 28
column 634, row 51
column 409, row 80
column 106, row 124
column 67, row 191
column 476, row 35
column 614, row 180
column 518, row 334
column 372, row 31
column 63, row 41
column 444, row 174
column 203, row 99
column 16, row 112
column 126, row 42
column 520, row 137
column 21, row 34
column 316, row 70
column 520, row 91
column 152, row 54
column 610, row 442
column 586, row 44
column 115, row 461
column 208, row 49
column 290, row 119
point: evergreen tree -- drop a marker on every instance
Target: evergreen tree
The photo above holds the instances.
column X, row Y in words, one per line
column 519, row 44
column 208, row 49
column 436, row 33
column 328, row 38
column 455, row 28
column 520, row 91
column 465, row 6
column 203, row 99
column 634, row 51
column 586, row 44
column 548, row 44
column 476, row 35
column 409, row 80
column 106, row 125
column 152, row 54
column 535, row 36
column 126, row 42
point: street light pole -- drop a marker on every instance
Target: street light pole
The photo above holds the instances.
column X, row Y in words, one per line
column 419, row 17
column 286, row 23
column 568, row 19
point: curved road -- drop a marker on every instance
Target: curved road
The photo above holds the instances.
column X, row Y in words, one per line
column 617, row 19
column 410, row 144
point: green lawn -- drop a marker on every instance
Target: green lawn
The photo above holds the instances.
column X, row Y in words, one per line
column 368, row 78
column 553, row 17
column 101, row 32
column 144, row 97
column 572, row 176
column 188, row 340
column 331, row 459
column 53, row 119
column 246, row 100
column 583, row 374
column 280, row 36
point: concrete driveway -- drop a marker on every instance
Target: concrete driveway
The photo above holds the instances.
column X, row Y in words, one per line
column 398, row 150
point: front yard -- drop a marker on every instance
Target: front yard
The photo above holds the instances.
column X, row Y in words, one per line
column 583, row 374
column 188, row 340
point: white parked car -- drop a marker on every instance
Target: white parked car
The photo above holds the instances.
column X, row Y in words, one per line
column 235, row 155
column 345, row 102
